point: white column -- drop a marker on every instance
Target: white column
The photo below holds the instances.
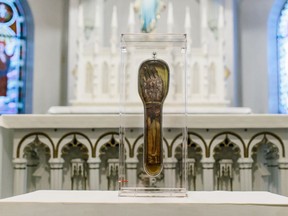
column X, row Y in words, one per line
column 100, row 22
column 97, row 30
column 187, row 26
column 114, row 31
column 245, row 166
column 131, row 19
column 204, row 13
column 170, row 18
column 80, row 74
column 208, row 174
column 56, row 173
column 283, row 176
column 72, row 48
column 131, row 166
column 273, row 178
column 232, row 50
column 20, row 176
column 220, row 87
column 204, row 25
column 80, row 16
column 204, row 47
column 170, row 172
column 94, row 173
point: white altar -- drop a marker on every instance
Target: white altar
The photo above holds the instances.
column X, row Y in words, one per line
column 100, row 203
column 37, row 152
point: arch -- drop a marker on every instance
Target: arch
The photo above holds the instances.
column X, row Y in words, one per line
column 16, row 42
column 273, row 68
column 199, row 140
column 139, row 141
column 104, row 138
column 219, row 138
column 25, row 141
column 86, row 141
column 276, row 140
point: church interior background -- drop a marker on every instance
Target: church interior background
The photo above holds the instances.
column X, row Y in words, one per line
column 60, row 62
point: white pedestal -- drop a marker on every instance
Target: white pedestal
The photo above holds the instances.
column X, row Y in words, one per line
column 100, row 203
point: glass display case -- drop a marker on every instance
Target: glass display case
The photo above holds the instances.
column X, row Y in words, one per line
column 153, row 100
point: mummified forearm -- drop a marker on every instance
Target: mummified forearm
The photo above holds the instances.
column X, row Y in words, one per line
column 153, row 82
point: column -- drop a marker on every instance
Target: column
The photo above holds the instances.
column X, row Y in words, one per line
column 204, row 25
column 56, row 173
column 131, row 166
column 283, row 176
column 20, row 176
column 131, row 19
column 72, row 44
column 204, row 47
column 170, row 172
column 221, row 76
column 245, row 166
column 191, row 174
column 100, row 17
column 80, row 74
column 232, row 50
column 208, row 174
column 114, row 31
column 94, row 173
column 170, row 18
column 187, row 27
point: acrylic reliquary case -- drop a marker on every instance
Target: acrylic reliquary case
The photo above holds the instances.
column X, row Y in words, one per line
column 151, row 66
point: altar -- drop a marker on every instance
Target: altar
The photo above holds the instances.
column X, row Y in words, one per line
column 100, row 203
column 36, row 152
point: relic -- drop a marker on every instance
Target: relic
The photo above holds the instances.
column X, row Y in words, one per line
column 153, row 86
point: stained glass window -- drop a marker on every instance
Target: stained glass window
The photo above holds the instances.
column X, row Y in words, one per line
column 282, row 39
column 12, row 56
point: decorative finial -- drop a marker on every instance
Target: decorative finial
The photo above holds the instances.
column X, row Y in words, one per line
column 154, row 55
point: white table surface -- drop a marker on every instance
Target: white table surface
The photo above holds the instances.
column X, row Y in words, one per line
column 54, row 203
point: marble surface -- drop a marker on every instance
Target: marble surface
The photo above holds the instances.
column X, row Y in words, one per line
column 109, row 203
column 198, row 121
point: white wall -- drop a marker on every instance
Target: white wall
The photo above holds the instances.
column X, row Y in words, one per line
column 253, row 23
column 49, row 53
column 6, row 171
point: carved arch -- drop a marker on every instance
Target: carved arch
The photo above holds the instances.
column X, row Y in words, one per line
column 237, row 140
column 83, row 139
column 139, row 141
column 26, row 140
column 198, row 139
column 104, row 138
column 273, row 138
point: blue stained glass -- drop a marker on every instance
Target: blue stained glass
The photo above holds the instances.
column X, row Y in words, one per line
column 12, row 56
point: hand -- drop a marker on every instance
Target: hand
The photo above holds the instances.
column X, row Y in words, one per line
column 153, row 86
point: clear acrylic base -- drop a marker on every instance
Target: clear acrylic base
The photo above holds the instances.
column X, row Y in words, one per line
column 152, row 192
